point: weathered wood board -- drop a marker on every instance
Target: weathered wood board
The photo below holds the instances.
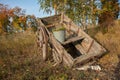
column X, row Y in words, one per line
column 81, row 41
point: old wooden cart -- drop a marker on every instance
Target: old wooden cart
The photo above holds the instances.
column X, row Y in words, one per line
column 78, row 46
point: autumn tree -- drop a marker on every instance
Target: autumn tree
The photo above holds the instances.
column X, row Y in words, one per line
column 5, row 14
column 19, row 19
column 11, row 19
column 78, row 10
column 108, row 13
column 84, row 12
column 32, row 22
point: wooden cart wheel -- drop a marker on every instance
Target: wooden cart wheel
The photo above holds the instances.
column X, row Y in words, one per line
column 42, row 42
column 55, row 56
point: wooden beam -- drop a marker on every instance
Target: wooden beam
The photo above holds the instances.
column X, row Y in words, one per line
column 74, row 39
column 80, row 48
column 90, row 46
column 51, row 25
column 86, row 57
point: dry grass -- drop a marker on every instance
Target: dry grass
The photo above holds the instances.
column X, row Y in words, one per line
column 20, row 59
column 111, row 41
column 18, row 54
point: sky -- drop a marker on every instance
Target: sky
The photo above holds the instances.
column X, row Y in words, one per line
column 31, row 6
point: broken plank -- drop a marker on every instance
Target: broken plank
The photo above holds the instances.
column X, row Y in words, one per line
column 62, row 53
column 90, row 46
column 74, row 39
column 80, row 48
column 85, row 57
column 50, row 25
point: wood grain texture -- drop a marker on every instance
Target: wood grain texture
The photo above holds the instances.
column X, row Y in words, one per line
column 71, row 40
column 83, row 43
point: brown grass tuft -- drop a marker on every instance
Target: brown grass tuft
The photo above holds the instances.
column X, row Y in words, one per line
column 111, row 41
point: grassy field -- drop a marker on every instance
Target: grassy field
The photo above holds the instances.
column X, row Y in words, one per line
column 111, row 41
column 20, row 59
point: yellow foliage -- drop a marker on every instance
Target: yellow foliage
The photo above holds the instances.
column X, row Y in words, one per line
column 22, row 19
column 1, row 31
column 16, row 26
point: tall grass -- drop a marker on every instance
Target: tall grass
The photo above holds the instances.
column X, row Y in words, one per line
column 17, row 52
column 111, row 41
column 20, row 58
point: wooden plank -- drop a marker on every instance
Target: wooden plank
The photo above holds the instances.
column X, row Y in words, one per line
column 51, row 25
column 85, row 57
column 44, row 51
column 51, row 19
column 74, row 39
column 80, row 48
column 95, row 51
column 90, row 46
column 56, row 56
